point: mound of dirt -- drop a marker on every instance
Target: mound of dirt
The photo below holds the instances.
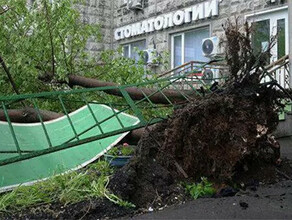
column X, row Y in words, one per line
column 221, row 137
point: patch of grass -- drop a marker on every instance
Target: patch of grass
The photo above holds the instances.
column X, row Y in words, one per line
column 122, row 150
column 65, row 189
column 204, row 188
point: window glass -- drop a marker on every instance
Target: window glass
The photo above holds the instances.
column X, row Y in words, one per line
column 261, row 37
column 132, row 50
column 281, row 38
column 188, row 46
column 127, row 51
column 136, row 47
column 177, row 44
column 193, row 42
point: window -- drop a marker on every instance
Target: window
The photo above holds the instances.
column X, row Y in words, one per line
column 267, row 25
column 131, row 50
column 281, row 40
column 187, row 46
column 261, row 38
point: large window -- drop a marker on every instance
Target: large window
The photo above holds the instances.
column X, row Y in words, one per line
column 268, row 25
column 187, row 46
column 131, row 50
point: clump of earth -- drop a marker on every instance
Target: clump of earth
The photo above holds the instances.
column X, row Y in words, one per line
column 225, row 137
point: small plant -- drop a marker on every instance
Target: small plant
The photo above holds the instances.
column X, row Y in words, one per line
column 204, row 188
column 122, row 150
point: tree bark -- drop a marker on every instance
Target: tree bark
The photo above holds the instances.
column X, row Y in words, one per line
column 134, row 92
column 28, row 115
column 3, row 64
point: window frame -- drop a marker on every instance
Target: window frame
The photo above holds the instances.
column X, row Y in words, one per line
column 130, row 47
column 273, row 15
column 182, row 34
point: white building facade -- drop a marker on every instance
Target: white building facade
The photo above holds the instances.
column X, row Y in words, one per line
column 179, row 26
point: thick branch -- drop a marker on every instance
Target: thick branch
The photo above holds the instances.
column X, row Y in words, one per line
column 28, row 115
column 134, row 136
column 4, row 10
column 50, row 37
column 6, row 70
column 134, row 92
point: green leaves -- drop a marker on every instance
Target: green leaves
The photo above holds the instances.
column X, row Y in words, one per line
column 204, row 188
column 35, row 38
column 65, row 189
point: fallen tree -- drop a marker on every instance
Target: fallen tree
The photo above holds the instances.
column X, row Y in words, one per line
column 225, row 136
column 134, row 92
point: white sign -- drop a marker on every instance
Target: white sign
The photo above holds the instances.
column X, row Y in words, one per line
column 198, row 12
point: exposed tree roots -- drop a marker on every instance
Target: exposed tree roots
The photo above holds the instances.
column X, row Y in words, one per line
column 216, row 137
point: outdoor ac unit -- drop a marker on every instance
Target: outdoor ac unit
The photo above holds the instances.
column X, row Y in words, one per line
column 210, row 75
column 135, row 4
column 150, row 56
column 210, row 47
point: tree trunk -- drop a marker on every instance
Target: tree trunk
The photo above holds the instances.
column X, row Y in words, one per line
column 134, row 92
column 28, row 115
column 134, row 136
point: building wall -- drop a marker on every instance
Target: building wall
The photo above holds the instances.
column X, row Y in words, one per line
column 99, row 12
column 112, row 14
column 153, row 8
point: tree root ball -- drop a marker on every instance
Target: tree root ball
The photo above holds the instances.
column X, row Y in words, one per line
column 217, row 137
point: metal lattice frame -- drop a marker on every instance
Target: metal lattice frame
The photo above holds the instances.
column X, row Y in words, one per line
column 162, row 85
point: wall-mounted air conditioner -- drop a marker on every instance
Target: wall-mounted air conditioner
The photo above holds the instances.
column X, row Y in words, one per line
column 210, row 47
column 150, row 57
column 210, row 75
column 135, row 4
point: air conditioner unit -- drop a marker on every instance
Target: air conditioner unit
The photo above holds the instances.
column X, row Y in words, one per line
column 135, row 4
column 210, row 75
column 210, row 47
column 150, row 56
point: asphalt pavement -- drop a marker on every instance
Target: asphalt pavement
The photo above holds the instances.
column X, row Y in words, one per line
column 268, row 202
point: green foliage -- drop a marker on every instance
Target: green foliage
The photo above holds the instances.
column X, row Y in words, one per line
column 64, row 189
column 204, row 188
column 122, row 150
column 123, row 70
column 43, row 39
column 45, row 42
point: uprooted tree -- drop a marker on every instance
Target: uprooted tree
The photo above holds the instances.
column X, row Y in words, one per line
column 222, row 136
column 219, row 136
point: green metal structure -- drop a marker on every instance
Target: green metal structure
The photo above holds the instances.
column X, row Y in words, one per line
column 34, row 137
column 31, row 152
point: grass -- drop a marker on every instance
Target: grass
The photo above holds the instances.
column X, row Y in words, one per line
column 122, row 150
column 204, row 188
column 65, row 189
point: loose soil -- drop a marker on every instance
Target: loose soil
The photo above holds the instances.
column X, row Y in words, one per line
column 222, row 137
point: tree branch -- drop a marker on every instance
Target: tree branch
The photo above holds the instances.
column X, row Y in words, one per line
column 50, row 37
column 4, row 10
column 28, row 115
column 6, row 70
column 134, row 92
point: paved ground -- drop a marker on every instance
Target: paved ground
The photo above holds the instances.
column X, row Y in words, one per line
column 286, row 147
column 268, row 202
